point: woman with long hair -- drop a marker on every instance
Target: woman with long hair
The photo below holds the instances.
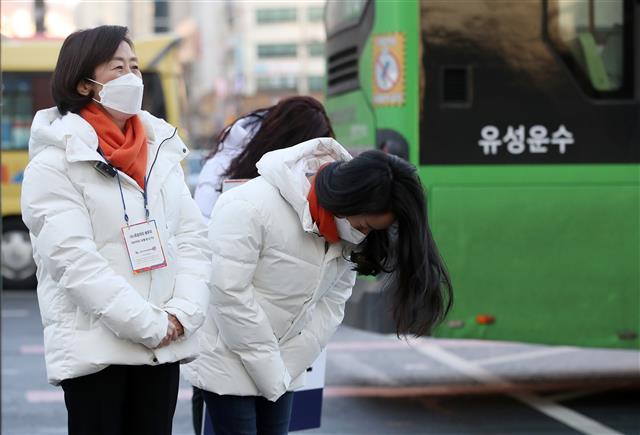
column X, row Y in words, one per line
column 289, row 122
column 240, row 145
column 379, row 184
column 286, row 248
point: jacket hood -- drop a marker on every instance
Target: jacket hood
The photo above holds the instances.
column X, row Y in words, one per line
column 287, row 169
column 47, row 129
column 240, row 134
column 76, row 136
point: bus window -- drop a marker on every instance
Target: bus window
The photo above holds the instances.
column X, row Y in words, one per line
column 350, row 23
column 23, row 94
column 593, row 39
column 343, row 14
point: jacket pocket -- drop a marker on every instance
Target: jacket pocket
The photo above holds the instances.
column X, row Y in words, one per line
column 297, row 324
column 83, row 321
column 207, row 341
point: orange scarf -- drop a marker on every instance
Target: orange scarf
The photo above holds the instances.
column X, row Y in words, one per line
column 321, row 216
column 126, row 150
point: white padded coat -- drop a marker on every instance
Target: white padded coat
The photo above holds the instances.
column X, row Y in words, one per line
column 95, row 310
column 278, row 289
column 212, row 173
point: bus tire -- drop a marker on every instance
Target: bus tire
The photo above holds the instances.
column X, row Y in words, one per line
column 18, row 267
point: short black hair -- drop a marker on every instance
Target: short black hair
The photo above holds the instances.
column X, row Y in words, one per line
column 79, row 56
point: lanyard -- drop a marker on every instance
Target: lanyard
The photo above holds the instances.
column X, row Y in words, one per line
column 124, row 205
column 146, row 181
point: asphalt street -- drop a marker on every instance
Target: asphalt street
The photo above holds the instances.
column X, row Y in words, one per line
column 377, row 384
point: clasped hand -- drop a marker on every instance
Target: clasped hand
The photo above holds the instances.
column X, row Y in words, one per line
column 174, row 331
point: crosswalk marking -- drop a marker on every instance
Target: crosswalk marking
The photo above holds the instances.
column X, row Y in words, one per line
column 32, row 349
column 521, row 356
column 14, row 313
column 57, row 395
column 560, row 413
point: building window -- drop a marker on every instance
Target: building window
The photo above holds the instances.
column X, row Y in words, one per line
column 315, row 13
column 161, row 16
column 316, row 83
column 277, row 50
column 315, row 49
column 281, row 15
column 277, row 83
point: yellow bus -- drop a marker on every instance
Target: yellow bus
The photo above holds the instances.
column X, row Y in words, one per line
column 27, row 65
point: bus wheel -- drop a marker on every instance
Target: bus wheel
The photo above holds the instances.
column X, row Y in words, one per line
column 18, row 267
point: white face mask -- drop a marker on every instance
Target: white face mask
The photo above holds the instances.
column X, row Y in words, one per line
column 348, row 233
column 123, row 94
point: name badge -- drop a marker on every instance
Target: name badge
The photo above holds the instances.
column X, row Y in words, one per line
column 144, row 247
column 230, row 184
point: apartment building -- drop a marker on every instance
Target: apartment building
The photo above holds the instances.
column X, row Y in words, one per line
column 282, row 46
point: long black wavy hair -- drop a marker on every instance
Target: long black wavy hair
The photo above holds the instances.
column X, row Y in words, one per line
column 291, row 121
column 376, row 183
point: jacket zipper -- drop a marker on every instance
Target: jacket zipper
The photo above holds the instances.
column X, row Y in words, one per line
column 145, row 198
column 304, row 305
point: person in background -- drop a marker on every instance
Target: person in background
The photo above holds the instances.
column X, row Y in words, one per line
column 286, row 249
column 231, row 141
column 240, row 146
column 119, row 243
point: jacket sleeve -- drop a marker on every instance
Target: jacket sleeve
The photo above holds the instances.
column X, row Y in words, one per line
column 57, row 217
column 235, row 233
column 302, row 350
column 206, row 193
column 191, row 292
column 205, row 196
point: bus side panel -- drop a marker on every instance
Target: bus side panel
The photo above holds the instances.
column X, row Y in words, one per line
column 13, row 164
column 547, row 244
column 549, row 263
column 514, row 77
column 397, row 18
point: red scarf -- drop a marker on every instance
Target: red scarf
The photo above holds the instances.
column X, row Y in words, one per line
column 321, row 216
column 126, row 150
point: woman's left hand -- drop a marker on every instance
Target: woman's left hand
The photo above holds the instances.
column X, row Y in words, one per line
column 179, row 329
column 174, row 331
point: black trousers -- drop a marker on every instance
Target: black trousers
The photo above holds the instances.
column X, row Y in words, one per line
column 197, row 403
column 123, row 400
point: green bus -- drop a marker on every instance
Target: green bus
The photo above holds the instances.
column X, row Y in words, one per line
column 522, row 118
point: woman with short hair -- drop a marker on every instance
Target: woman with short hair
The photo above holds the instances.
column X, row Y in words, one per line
column 119, row 244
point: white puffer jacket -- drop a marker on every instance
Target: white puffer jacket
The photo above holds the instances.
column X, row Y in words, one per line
column 212, row 173
column 95, row 310
column 278, row 290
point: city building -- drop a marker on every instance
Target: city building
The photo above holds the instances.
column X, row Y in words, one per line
column 249, row 55
column 236, row 55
